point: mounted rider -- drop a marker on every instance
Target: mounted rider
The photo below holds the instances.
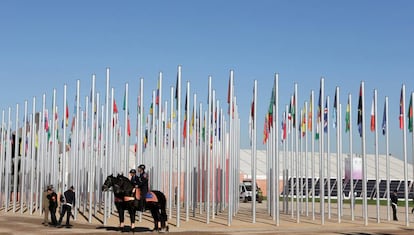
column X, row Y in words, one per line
column 142, row 185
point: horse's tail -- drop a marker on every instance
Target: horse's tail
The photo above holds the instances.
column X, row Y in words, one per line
column 162, row 200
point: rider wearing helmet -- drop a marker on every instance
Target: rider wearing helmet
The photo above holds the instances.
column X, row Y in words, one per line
column 134, row 177
column 142, row 185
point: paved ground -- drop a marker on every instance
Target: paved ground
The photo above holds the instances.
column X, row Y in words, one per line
column 18, row 223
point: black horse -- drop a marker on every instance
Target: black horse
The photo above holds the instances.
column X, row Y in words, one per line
column 125, row 199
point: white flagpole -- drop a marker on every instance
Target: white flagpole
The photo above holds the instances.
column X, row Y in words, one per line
column 364, row 158
column 407, row 222
column 254, row 153
column 159, row 164
column 376, row 155
column 126, row 145
column 187, row 155
column 313, row 152
column 340, row 187
column 306, row 158
column 328, row 154
column 210, row 100
column 92, row 153
column 171, row 154
column 16, row 158
column 200, row 159
column 351, row 181
column 141, row 121
column 2, row 158
column 387, row 153
column 64, row 157
column 276, row 161
column 296, row 151
column 23, row 160
column 338, row 161
column 230, row 154
column 76, row 160
column 33, row 128
column 106, row 168
column 321, row 157
column 178, row 146
column 412, row 139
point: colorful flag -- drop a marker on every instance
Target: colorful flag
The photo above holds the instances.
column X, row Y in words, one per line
column 384, row 120
column 410, row 115
column 325, row 117
column 157, row 97
column 185, row 118
column 67, row 114
column 348, row 117
column 372, row 115
column 265, row 132
column 128, row 127
column 283, row 132
column 335, row 110
column 359, row 119
column 401, row 110
column 303, row 123
column 310, row 111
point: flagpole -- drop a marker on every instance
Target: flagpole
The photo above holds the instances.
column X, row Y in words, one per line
column 387, row 153
column 412, row 139
column 328, row 152
column 364, row 156
column 23, row 160
column 340, row 188
column 230, row 152
column 351, row 167
column 276, row 145
column 376, row 155
column 338, row 141
column 187, row 153
column 312, row 152
column 209, row 112
column 8, row 164
column 64, row 156
column 254, row 156
column 178, row 210
column 407, row 222
column 305, row 116
column 292, row 163
column 16, row 158
column 321, row 152
column 296, row 151
column 32, row 130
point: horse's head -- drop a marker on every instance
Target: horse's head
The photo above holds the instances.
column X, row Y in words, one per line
column 125, row 184
column 109, row 183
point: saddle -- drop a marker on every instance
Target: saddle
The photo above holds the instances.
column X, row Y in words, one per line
column 149, row 197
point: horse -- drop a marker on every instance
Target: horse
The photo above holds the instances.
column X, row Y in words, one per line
column 126, row 199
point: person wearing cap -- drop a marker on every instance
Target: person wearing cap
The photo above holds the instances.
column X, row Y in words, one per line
column 45, row 204
column 394, row 204
column 53, row 204
column 68, row 201
column 133, row 178
column 142, row 185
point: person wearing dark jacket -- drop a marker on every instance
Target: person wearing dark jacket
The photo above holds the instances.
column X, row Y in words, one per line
column 143, row 186
column 394, row 204
column 53, row 204
column 68, row 201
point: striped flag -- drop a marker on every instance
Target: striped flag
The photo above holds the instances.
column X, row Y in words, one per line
column 372, row 126
column 384, row 120
column 401, row 110
column 348, row 117
column 359, row 119
column 410, row 115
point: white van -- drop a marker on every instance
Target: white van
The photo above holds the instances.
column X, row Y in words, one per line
column 246, row 192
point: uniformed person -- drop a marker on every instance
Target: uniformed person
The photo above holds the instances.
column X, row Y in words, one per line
column 68, row 203
column 142, row 185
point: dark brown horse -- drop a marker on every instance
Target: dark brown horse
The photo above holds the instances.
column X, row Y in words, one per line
column 125, row 199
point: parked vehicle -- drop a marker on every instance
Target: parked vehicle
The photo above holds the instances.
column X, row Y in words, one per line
column 246, row 192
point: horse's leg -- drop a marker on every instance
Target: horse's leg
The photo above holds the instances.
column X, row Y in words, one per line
column 155, row 215
column 131, row 211
column 120, row 209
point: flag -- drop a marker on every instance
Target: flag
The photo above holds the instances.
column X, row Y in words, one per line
column 157, row 97
column 67, row 114
column 359, row 119
column 115, row 107
column 325, row 117
column 128, row 127
column 335, row 110
column 410, row 115
column 401, row 110
column 283, row 137
column 348, row 117
column 372, row 115
column 384, row 120
column 185, row 118
column 310, row 114
column 271, row 104
column 265, row 132
column 293, row 111
column 303, row 123
column 319, row 115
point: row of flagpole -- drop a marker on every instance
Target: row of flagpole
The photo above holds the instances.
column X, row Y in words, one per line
column 98, row 145
column 323, row 120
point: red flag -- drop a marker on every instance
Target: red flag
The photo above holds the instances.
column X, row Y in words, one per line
column 372, row 115
column 115, row 107
column 129, row 128
column 401, row 110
